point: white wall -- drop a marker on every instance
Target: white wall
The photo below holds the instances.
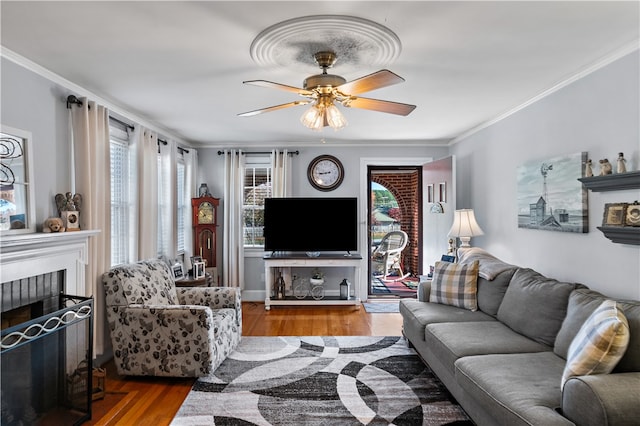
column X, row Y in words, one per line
column 598, row 114
column 33, row 103
column 436, row 236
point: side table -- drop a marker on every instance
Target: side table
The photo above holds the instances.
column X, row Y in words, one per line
column 189, row 281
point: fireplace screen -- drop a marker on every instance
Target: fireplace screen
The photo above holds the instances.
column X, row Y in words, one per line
column 46, row 367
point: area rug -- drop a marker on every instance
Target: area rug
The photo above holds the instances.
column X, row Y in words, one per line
column 319, row 381
column 382, row 307
column 404, row 288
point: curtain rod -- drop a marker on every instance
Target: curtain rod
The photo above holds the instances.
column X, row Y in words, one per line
column 122, row 123
column 181, row 150
column 261, row 153
column 73, row 100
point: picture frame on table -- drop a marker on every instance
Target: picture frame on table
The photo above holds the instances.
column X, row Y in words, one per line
column 614, row 214
column 178, row 271
column 196, row 259
column 198, row 270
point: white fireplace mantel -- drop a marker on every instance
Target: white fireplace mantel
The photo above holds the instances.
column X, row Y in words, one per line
column 27, row 255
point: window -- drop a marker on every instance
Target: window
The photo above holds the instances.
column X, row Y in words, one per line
column 173, row 204
column 257, row 187
column 121, row 200
column 181, row 205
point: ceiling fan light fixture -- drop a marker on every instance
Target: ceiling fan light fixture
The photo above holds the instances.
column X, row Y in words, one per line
column 335, row 118
column 313, row 118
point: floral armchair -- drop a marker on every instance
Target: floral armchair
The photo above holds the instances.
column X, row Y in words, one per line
column 160, row 330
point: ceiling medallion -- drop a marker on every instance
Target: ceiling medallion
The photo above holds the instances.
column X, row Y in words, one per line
column 358, row 43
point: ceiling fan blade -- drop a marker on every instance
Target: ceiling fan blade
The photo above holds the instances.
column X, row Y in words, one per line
column 273, row 108
column 272, row 85
column 378, row 105
column 382, row 78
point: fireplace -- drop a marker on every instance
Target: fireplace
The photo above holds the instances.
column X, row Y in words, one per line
column 47, row 331
column 46, row 374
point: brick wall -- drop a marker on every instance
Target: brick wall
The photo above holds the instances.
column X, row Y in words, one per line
column 404, row 187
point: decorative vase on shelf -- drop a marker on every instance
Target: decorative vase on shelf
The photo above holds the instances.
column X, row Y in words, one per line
column 280, row 287
column 316, row 281
column 317, row 277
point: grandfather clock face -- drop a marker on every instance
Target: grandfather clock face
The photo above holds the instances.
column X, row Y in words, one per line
column 205, row 213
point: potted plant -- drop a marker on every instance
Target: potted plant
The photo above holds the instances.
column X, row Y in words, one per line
column 317, row 277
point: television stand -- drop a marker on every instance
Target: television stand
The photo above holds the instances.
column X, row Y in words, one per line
column 301, row 260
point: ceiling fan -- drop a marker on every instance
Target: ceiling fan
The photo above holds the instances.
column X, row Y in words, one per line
column 322, row 90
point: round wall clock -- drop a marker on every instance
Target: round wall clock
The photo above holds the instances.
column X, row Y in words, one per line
column 325, row 172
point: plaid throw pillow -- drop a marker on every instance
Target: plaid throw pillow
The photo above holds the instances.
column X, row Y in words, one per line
column 600, row 343
column 455, row 284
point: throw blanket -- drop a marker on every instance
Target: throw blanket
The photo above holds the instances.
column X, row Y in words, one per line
column 490, row 266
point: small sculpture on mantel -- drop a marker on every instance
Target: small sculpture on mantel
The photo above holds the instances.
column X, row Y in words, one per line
column 68, row 203
column 622, row 167
column 588, row 168
column 605, row 167
column 69, row 210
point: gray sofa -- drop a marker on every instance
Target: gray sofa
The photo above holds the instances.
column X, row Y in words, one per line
column 504, row 361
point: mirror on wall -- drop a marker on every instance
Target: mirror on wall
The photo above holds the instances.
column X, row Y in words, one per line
column 17, row 205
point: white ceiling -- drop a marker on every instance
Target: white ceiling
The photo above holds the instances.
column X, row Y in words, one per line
column 179, row 66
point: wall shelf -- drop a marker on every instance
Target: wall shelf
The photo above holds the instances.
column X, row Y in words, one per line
column 622, row 234
column 613, row 182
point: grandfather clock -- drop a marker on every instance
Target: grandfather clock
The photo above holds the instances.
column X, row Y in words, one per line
column 204, row 228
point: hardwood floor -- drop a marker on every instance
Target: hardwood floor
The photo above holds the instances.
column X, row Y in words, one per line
column 154, row 401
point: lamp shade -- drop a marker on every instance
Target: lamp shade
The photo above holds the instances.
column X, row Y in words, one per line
column 465, row 226
column 322, row 113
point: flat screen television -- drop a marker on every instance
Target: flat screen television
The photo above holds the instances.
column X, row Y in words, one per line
column 311, row 224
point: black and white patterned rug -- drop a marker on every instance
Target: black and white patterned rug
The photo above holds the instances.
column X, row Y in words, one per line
column 320, row 381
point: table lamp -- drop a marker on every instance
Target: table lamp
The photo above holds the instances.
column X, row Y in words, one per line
column 465, row 226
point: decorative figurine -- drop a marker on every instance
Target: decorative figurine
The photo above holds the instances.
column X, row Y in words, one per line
column 53, row 224
column 588, row 168
column 605, row 167
column 69, row 210
column 622, row 167
column 67, row 202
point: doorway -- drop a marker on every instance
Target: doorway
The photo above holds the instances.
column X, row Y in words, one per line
column 394, row 204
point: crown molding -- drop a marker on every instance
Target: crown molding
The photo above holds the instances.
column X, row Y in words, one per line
column 601, row 63
column 82, row 92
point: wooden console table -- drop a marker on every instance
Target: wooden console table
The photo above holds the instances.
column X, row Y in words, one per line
column 301, row 260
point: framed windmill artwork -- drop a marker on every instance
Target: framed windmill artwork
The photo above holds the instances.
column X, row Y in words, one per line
column 550, row 196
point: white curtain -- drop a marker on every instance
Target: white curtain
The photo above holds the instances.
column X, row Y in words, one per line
column 92, row 170
column 281, row 170
column 233, row 240
column 190, row 178
column 167, row 203
column 146, row 151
